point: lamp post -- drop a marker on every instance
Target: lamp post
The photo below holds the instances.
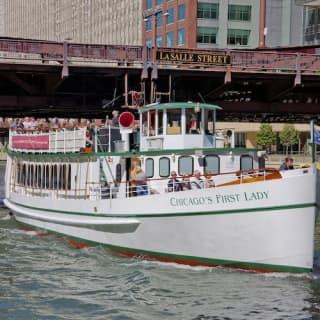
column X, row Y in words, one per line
column 154, row 14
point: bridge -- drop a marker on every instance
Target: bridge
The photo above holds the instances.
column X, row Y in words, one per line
column 45, row 78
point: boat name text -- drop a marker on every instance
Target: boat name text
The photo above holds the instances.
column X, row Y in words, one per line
column 219, row 199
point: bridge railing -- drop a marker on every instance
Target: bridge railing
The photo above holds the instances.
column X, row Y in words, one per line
column 240, row 60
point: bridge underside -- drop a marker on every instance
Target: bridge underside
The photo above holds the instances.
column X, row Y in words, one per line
column 93, row 92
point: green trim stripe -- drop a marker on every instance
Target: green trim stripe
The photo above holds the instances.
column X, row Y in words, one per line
column 184, row 259
column 175, row 214
column 190, row 151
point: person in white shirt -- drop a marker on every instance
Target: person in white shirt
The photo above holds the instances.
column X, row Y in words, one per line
column 196, row 181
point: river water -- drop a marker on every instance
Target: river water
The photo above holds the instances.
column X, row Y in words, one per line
column 42, row 277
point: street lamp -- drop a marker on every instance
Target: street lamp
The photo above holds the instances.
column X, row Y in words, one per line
column 154, row 14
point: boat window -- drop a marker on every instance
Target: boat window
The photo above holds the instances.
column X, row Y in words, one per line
column 54, row 177
column 160, row 122
column 46, row 176
column 164, row 167
column 144, row 117
column 62, row 176
column 193, row 117
column 209, row 122
column 19, row 173
column 174, row 121
column 30, row 175
column 151, row 122
column 38, row 176
column 118, row 172
column 212, row 164
column 149, row 167
column 27, row 177
column 246, row 162
column 185, row 165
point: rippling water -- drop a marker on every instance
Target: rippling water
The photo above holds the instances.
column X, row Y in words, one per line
column 42, row 277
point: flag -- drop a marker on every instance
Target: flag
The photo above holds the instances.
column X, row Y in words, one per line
column 316, row 136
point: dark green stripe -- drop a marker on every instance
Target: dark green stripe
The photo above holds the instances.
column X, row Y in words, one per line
column 159, row 255
column 128, row 154
column 176, row 214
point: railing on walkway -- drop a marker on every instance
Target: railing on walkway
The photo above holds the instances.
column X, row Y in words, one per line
column 48, row 52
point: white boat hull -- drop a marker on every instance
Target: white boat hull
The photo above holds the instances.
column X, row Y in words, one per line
column 264, row 226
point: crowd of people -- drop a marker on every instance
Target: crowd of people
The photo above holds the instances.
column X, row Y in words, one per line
column 44, row 124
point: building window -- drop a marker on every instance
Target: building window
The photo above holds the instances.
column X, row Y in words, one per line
column 158, row 18
column 149, row 42
column 181, row 36
column 239, row 13
column 159, row 2
column 159, row 41
column 238, row 37
column 170, row 16
column 170, row 39
column 240, row 139
column 149, row 24
column 208, row 10
column 207, row 35
column 312, row 21
column 181, row 11
column 148, row 4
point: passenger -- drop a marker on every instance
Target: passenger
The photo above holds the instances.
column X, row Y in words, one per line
column 115, row 119
column 208, row 182
column 174, row 184
column 197, row 182
column 186, row 184
column 141, row 182
column 138, row 181
column 287, row 164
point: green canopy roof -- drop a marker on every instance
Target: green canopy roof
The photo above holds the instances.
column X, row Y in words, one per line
column 176, row 105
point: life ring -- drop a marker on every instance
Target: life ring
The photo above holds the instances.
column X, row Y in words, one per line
column 109, row 159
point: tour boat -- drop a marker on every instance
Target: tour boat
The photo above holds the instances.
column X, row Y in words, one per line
column 109, row 186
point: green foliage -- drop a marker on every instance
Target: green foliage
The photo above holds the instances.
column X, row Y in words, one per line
column 288, row 136
column 265, row 136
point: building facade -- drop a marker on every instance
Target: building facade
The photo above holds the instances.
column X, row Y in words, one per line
column 83, row 21
column 222, row 23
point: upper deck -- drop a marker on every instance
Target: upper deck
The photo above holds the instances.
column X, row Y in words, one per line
column 54, row 141
column 179, row 125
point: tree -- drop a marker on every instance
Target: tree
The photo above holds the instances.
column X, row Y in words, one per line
column 288, row 136
column 265, row 136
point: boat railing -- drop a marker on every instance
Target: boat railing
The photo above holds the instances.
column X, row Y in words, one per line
column 159, row 186
column 53, row 141
column 115, row 190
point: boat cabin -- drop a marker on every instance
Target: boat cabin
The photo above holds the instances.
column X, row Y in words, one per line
column 178, row 126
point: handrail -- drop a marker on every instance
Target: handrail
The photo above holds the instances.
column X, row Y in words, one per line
column 259, row 60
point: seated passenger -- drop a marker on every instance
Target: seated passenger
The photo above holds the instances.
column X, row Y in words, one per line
column 174, row 184
column 186, row 182
column 141, row 182
column 208, row 182
column 197, row 182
